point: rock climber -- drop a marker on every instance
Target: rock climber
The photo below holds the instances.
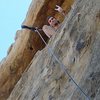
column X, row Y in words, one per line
column 53, row 22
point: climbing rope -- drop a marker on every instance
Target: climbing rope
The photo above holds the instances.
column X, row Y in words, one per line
column 62, row 66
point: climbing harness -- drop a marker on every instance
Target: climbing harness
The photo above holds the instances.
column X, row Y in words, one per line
column 62, row 66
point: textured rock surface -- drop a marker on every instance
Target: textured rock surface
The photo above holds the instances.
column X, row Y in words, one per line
column 26, row 44
column 44, row 80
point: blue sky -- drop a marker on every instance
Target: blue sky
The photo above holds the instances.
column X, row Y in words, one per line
column 12, row 14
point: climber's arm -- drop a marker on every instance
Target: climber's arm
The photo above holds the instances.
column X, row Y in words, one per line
column 60, row 10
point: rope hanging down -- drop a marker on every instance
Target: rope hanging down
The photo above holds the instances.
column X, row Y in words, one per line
column 35, row 29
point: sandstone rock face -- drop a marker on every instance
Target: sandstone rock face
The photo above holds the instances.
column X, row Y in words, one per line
column 27, row 43
column 77, row 45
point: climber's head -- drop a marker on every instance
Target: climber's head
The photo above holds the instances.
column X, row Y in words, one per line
column 53, row 22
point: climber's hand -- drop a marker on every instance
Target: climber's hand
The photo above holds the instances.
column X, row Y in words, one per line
column 59, row 9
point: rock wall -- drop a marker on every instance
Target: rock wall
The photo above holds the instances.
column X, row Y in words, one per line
column 77, row 45
column 27, row 43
